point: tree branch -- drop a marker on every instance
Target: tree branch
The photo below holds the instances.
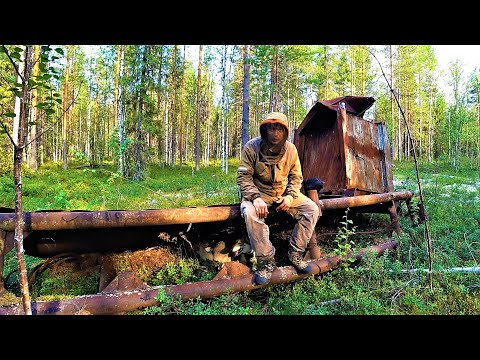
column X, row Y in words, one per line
column 55, row 121
column 8, row 134
column 428, row 241
column 13, row 62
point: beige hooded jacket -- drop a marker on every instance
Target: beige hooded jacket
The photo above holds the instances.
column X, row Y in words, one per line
column 274, row 175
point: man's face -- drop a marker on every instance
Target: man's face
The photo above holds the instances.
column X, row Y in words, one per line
column 275, row 133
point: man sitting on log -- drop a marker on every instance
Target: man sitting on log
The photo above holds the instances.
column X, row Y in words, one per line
column 270, row 176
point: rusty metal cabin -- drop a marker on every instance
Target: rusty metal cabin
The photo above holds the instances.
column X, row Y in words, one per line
column 349, row 153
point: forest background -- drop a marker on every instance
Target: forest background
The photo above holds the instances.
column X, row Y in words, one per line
column 164, row 104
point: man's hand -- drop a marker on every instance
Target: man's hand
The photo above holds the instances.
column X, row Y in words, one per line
column 260, row 207
column 285, row 204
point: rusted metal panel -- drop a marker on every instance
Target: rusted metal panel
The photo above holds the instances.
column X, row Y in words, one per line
column 364, row 159
column 343, row 143
column 322, row 159
column 385, row 151
column 319, row 148
column 356, row 105
column 124, row 301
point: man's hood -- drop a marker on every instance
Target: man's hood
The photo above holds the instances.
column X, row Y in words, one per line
column 274, row 118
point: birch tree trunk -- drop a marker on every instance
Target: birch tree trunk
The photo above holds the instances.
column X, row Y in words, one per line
column 180, row 127
column 166, row 130
column 88, row 147
column 16, row 120
column 222, row 130
column 121, row 114
column 65, row 112
column 430, row 136
column 17, row 174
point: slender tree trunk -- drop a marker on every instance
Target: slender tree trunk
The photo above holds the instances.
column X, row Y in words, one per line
column 449, row 150
column 138, row 147
column 430, row 137
column 121, row 114
column 180, row 125
column 116, row 89
column 325, row 95
column 206, row 113
column 16, row 120
column 478, row 123
column 420, row 120
column 197, row 118
column 222, row 110
column 275, row 97
column 66, row 100
column 392, row 111
column 166, row 130
column 399, row 131
column 246, row 94
column 226, row 116
column 352, row 66
column 55, row 142
column 41, row 140
column 88, row 149
column 96, row 126
column 33, row 160
column 159, row 103
column 17, row 174
column 174, row 114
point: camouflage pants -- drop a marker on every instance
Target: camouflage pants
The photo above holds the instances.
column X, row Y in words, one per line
column 303, row 210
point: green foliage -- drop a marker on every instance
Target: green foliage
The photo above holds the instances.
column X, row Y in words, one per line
column 343, row 239
column 64, row 284
column 118, row 149
column 6, row 156
column 186, row 270
column 228, row 304
column 43, row 81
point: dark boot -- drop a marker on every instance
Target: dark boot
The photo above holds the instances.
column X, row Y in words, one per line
column 264, row 271
column 296, row 258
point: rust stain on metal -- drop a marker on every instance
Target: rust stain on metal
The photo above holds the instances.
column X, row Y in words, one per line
column 48, row 220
